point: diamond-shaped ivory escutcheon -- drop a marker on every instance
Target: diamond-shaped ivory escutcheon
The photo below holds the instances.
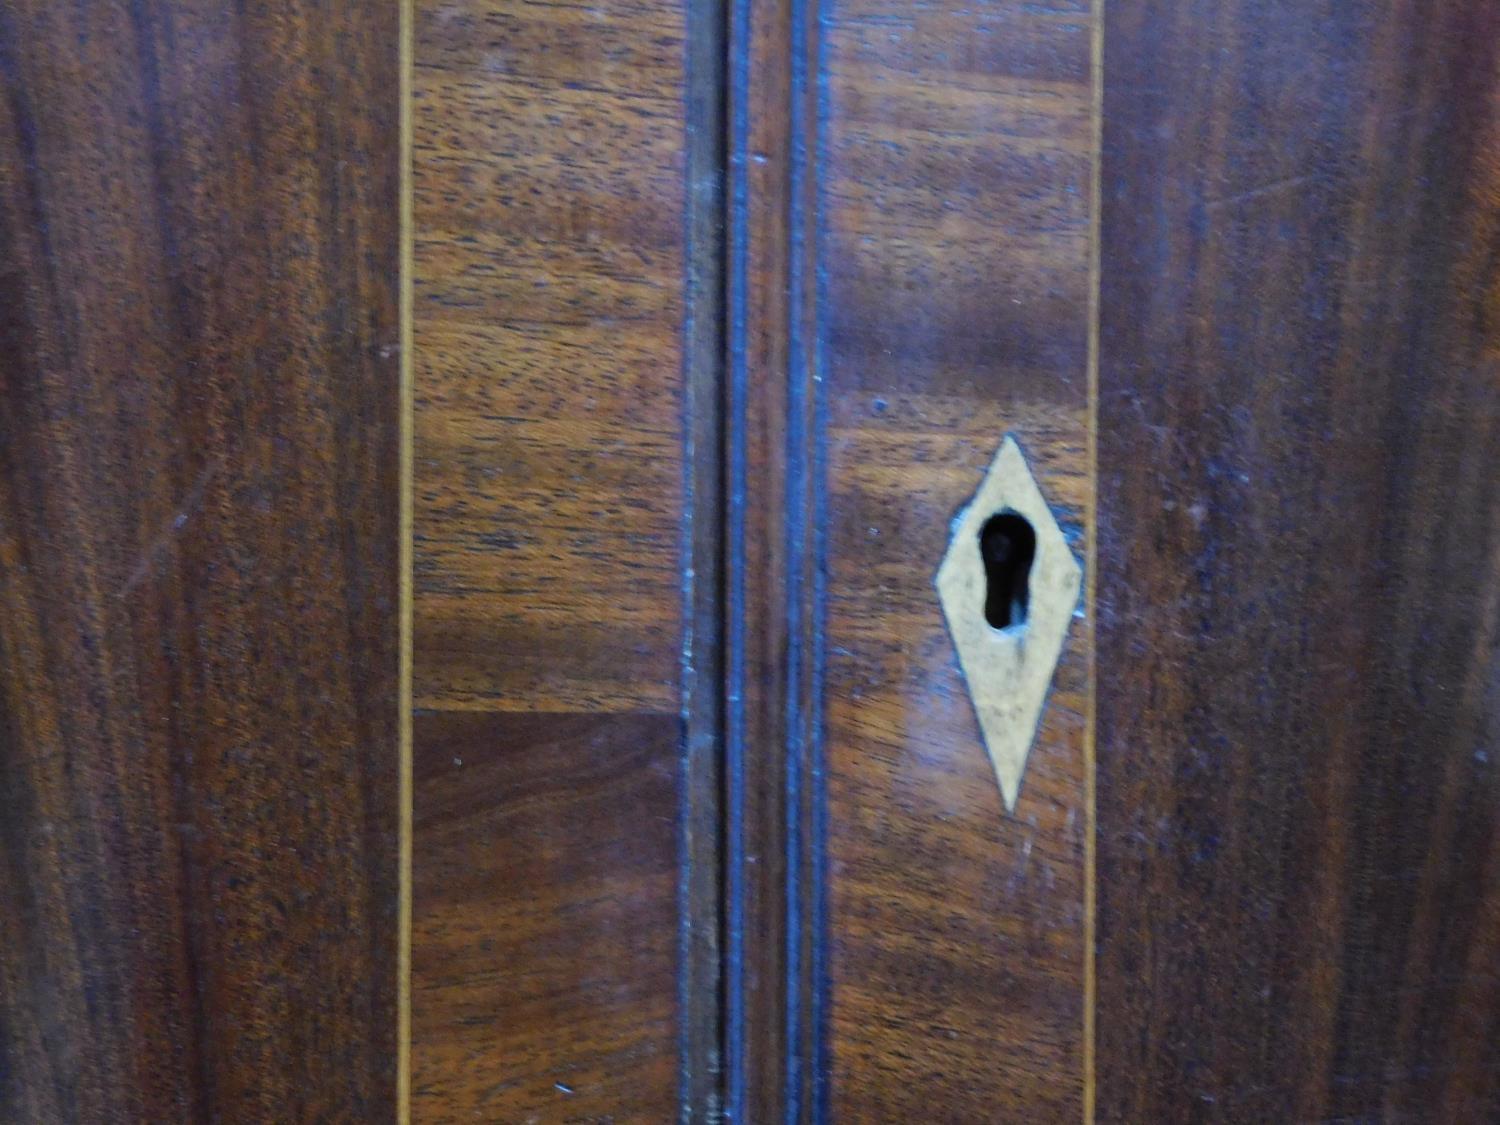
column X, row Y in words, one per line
column 1008, row 670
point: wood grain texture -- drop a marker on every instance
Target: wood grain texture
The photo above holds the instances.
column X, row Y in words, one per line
column 549, row 232
column 774, row 991
column 546, row 951
column 198, row 561
column 1299, row 537
column 548, row 272
column 957, row 151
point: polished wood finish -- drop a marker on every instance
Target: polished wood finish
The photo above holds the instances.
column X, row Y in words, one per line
column 1299, row 547
column 720, row 314
column 546, row 953
column 772, row 637
column 550, row 540
column 548, row 273
column 954, row 186
column 198, row 561
column 896, row 941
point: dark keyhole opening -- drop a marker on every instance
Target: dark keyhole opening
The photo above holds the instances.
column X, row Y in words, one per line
column 1007, row 544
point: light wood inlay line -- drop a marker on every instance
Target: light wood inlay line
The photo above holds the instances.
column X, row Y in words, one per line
column 1091, row 565
column 404, row 729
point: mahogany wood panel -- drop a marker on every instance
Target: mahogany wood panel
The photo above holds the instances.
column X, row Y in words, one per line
column 550, row 467
column 198, row 561
column 549, row 257
column 956, row 156
column 546, row 942
column 1299, row 546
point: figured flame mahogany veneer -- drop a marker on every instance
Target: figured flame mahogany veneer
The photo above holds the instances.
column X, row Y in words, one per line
column 1299, row 562
column 199, row 695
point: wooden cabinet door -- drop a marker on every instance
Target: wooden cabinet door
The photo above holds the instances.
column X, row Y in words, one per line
column 785, row 560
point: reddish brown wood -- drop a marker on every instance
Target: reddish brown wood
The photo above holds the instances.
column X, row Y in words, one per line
column 1299, row 423
column 954, row 184
column 550, row 278
column 547, row 865
column 772, row 621
column 198, row 561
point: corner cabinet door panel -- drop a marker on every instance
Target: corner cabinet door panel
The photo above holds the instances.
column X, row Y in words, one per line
column 954, row 233
column 767, row 561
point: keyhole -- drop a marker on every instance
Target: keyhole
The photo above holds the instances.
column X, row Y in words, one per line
column 1007, row 544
